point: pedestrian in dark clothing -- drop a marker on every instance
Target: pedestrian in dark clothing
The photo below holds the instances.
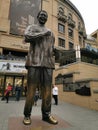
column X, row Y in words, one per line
column 18, row 92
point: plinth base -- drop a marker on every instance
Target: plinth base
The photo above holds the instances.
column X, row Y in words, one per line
column 16, row 123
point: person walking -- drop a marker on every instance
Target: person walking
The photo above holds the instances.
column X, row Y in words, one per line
column 36, row 97
column 55, row 94
column 7, row 92
column 18, row 90
column 40, row 64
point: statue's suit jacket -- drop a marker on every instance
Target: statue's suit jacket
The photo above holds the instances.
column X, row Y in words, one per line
column 41, row 41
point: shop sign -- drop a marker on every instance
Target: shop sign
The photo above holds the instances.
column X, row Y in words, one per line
column 6, row 66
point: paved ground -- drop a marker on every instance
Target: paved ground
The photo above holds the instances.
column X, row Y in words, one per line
column 79, row 118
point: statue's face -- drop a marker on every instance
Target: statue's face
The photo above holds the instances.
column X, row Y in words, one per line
column 42, row 17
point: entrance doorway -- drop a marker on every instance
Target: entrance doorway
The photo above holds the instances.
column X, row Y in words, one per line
column 13, row 80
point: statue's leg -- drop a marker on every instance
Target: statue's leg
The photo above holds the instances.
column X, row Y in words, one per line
column 47, row 96
column 46, row 101
column 31, row 87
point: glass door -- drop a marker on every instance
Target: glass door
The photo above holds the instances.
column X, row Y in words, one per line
column 9, row 79
column 18, row 81
column 2, row 85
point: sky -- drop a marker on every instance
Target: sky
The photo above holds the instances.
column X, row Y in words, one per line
column 89, row 11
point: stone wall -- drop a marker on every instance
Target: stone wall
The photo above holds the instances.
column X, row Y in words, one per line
column 90, row 102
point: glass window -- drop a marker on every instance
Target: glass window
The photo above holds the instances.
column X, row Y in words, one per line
column 80, row 40
column 61, row 42
column 71, row 45
column 70, row 32
column 79, row 25
column 61, row 28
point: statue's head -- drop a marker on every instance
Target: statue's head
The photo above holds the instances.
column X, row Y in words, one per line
column 42, row 17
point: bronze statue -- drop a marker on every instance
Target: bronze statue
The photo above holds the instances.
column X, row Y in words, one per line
column 40, row 64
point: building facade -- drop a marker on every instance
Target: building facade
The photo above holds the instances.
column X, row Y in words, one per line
column 15, row 16
column 76, row 65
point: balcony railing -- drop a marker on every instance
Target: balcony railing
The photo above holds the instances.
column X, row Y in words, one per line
column 62, row 18
column 12, row 57
column 71, row 23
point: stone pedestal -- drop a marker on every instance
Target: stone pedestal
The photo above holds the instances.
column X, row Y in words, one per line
column 16, row 123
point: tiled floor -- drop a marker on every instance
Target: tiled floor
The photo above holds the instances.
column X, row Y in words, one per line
column 70, row 117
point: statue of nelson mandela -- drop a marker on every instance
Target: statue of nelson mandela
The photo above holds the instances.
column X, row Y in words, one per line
column 40, row 64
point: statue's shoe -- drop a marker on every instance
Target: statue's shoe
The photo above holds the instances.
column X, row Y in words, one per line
column 27, row 120
column 50, row 119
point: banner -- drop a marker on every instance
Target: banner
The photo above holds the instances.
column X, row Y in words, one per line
column 23, row 13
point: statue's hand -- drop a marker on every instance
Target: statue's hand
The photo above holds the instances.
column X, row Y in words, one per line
column 23, row 41
column 48, row 33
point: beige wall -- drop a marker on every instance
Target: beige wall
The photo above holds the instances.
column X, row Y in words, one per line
column 51, row 6
column 4, row 13
column 83, row 101
column 13, row 42
column 85, row 72
column 80, row 70
column 73, row 98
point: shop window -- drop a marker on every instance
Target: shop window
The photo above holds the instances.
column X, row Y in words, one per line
column 61, row 28
column 1, row 85
column 61, row 42
column 9, row 79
